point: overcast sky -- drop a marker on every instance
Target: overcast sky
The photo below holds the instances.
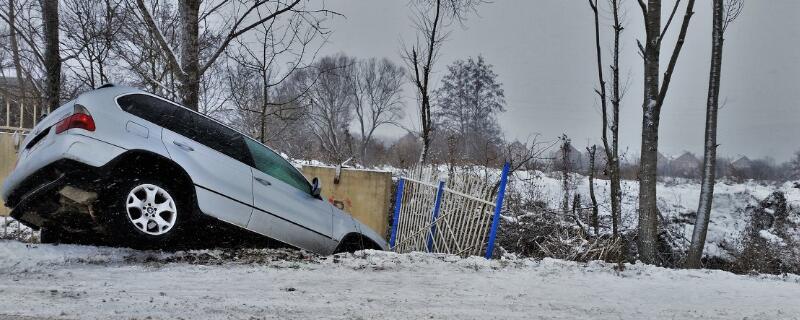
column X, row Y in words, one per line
column 543, row 52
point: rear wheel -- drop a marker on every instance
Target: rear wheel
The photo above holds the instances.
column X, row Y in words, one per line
column 147, row 213
column 49, row 235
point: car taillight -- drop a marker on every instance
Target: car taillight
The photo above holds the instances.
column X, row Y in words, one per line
column 79, row 119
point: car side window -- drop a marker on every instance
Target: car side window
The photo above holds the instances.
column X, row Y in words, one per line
column 150, row 108
column 188, row 124
column 276, row 166
column 213, row 135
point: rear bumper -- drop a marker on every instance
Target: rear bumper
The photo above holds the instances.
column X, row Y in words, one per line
column 55, row 151
column 38, row 196
column 33, row 200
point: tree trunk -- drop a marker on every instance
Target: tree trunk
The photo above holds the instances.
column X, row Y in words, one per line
column 595, row 219
column 52, row 59
column 426, row 146
column 611, row 150
column 262, row 134
column 108, row 38
column 565, row 169
column 612, row 156
column 648, row 215
column 654, row 95
column 190, row 53
column 364, row 147
column 710, row 154
column 15, row 57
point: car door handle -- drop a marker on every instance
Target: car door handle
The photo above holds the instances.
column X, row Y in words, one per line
column 183, row 146
column 263, row 181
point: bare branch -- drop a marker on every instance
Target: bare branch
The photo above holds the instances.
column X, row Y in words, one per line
column 669, row 21
column 166, row 50
column 236, row 32
column 675, row 53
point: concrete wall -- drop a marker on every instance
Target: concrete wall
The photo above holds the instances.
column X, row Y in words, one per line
column 8, row 157
column 365, row 194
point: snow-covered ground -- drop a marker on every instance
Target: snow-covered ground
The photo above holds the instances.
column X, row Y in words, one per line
column 77, row 282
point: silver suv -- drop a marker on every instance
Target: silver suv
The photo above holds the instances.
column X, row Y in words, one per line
column 127, row 164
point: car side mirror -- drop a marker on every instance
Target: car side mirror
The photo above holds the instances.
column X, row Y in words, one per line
column 316, row 190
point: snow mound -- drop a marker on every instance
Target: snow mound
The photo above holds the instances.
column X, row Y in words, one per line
column 59, row 282
column 17, row 256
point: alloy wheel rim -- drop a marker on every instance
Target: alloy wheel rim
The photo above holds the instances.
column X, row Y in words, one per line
column 151, row 209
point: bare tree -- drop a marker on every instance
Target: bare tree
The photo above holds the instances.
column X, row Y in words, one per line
column 138, row 50
column 329, row 104
column 26, row 39
column 724, row 12
column 612, row 156
column 377, row 88
column 238, row 18
column 432, row 17
column 258, row 71
column 14, row 43
column 90, row 27
column 794, row 166
column 403, row 152
column 610, row 123
column 654, row 94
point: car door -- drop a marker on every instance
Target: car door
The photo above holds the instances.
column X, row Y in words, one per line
column 217, row 160
column 284, row 207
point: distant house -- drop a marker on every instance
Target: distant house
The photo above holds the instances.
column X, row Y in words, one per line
column 600, row 160
column 663, row 165
column 687, row 165
column 742, row 167
column 518, row 150
column 575, row 160
column 18, row 108
column 743, row 163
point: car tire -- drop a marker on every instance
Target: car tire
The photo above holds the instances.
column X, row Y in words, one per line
column 49, row 236
column 353, row 243
column 145, row 213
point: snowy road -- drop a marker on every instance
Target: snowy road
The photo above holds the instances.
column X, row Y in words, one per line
column 75, row 282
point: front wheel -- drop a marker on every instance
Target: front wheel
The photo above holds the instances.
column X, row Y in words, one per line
column 146, row 213
column 49, row 236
